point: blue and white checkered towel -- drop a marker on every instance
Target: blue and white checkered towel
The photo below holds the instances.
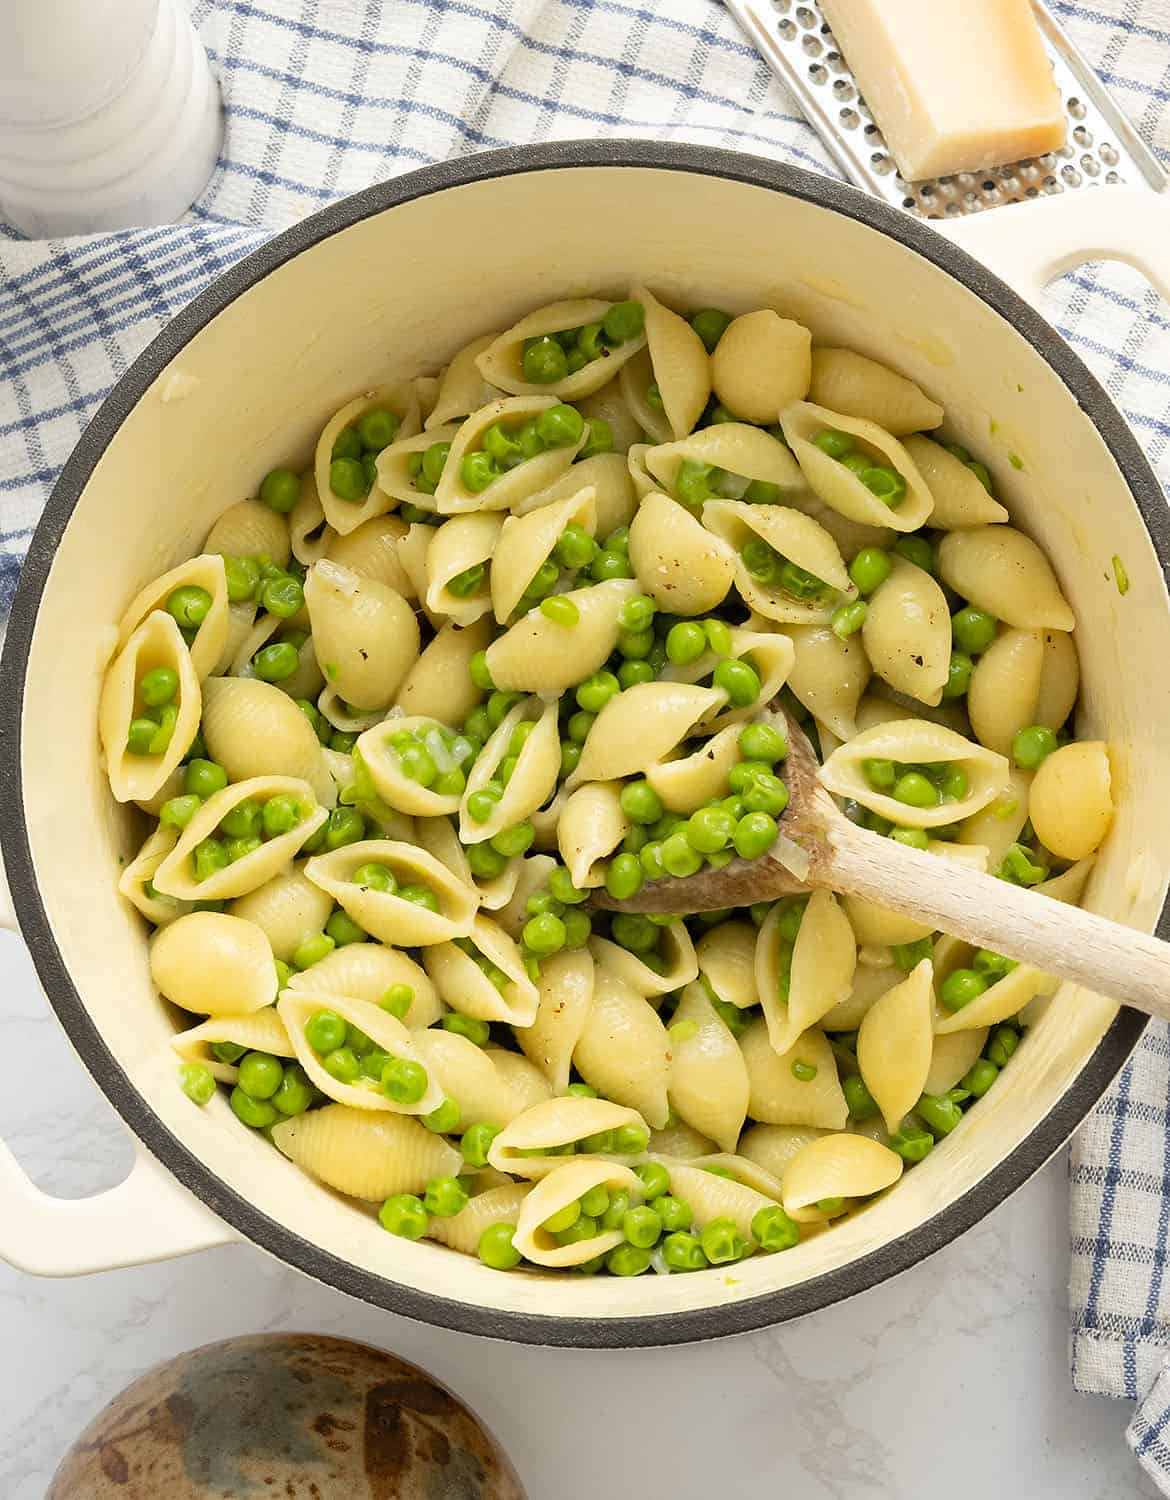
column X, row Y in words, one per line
column 326, row 96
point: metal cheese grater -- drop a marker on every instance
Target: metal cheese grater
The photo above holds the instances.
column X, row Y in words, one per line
column 1102, row 146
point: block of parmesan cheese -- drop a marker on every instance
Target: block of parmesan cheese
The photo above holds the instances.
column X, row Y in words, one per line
column 953, row 85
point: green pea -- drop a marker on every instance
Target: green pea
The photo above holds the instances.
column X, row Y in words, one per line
column 405, row 1216
column 478, row 671
column 637, row 613
column 260, row 1075
column 761, row 560
column 561, row 887
column 543, row 361
column 1003, row 1043
column 940, row 1113
column 992, row 964
column 755, row 834
column 650, row 856
column 710, row 829
column 189, row 605
column 861, row 1103
column 312, row 950
column 417, row 764
column 404, row 1081
column 885, row 483
column 736, row 1020
column 608, row 564
column 640, row 802
column 1018, row 867
column 1032, row 746
column 624, row 321
column 980, row 1077
column 958, row 675
column 655, row 1181
column 631, row 673
column 624, row 876
column 280, row 489
column 484, row 862
column 476, row 1143
column 799, row 582
column 579, row 726
column 762, row 742
column 227, row 1052
column 849, row 618
column 882, row 775
column 477, row 471
column 347, row 444
column 280, row 814
column 342, row 1063
column 913, row 789
column 575, row 547
column 908, row 956
column 683, row 1252
column 419, row 895
column 445, row 1197
column 140, row 736
column 500, row 705
column 208, row 856
column 177, row 812
column 197, row 1082
column 679, row 858
column 912, row 1143
column 471, row 1027
column 203, row 778
column 444, row 1120
column 642, row 1227
column 295, row 1092
column 982, row 473
column 342, row 742
column 241, row 848
column 916, row 550
column 560, row 610
column 913, row 838
column 347, row 479
column 345, row 826
column 496, row 1248
column 953, row 784
column 739, row 680
column 834, row 442
column 257, row 1114
column 685, row 642
column 973, row 629
column 627, row 1260
column 803, row 1072
column 773, row 1230
column 710, row 323
column 464, row 584
column 595, row 692
column 765, row 793
column 276, row 662
column 397, row 1000
column 636, row 645
column 342, row 928
column 375, row 877
column 634, row 932
column 722, row 1242
column 692, row 482
column 869, row 569
column 158, row 686
column 544, row 934
column 598, row 438
column 654, row 397
column 434, row 459
column 560, row 426
column 283, row 597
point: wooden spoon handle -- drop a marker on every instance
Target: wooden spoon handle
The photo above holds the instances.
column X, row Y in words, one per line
column 1113, row 960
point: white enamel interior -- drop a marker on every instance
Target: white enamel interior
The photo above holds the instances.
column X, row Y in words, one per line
column 403, row 291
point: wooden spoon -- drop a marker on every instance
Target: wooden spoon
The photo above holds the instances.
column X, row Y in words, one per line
column 819, row 846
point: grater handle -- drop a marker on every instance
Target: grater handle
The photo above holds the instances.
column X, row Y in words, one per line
column 1030, row 244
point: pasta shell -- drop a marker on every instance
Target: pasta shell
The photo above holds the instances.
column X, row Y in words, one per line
column 709, row 1084
column 564, row 988
column 465, row 987
column 916, row 742
column 365, row 971
column 609, row 405
column 467, row 1075
column 394, row 465
column 1071, row 801
column 999, row 1002
column 386, row 916
column 623, row 1051
column 462, row 388
column 241, row 624
column 640, row 476
column 677, row 561
column 824, row 957
column 828, row 675
column 727, row 961
column 738, row 450
column 297, row 1007
column 841, row 489
column 907, row 633
column 634, row 381
column 691, row 780
column 452, row 497
column 592, row 825
column 250, row 529
column 961, row 499
column 1005, row 688
column 837, row 1166
column 438, row 837
column 390, row 781
column 462, row 1231
column 532, row 780
column 676, row 954
column 679, row 361
column 641, row 726
column 205, row 572
column 797, row 538
column 525, row 542
column 501, row 363
column 533, row 876
column 309, row 532
column 778, row 1097
column 539, row 656
column 524, row 1085
column 848, row 382
column 1060, row 679
column 883, row 705
column 253, row 729
column 364, row 634
column 711, row 1196
column 213, row 964
column 769, row 653
column 894, row 1045
column 371, row 551
column 176, row 876
column 1000, row 823
column 363, row 1154
column 762, row 364
column 287, row 909
column 952, row 1056
column 137, row 876
column 157, row 642
column 347, row 515
column 439, row 685
column 607, row 475
column 464, row 542
column 680, row 1139
column 567, row 1184
column 875, row 926
column 850, row 536
column 555, row 1123
column 259, row 1031
column 773, row 1146
column 1004, row 572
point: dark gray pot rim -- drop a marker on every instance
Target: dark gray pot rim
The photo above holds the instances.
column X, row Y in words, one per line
column 588, row 1333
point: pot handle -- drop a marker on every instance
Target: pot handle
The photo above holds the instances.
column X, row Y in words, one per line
column 1030, row 244
column 147, row 1217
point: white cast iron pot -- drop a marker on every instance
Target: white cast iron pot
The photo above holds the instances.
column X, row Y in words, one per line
column 400, row 277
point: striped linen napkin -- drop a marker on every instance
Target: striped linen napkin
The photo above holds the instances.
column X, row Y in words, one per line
column 327, row 96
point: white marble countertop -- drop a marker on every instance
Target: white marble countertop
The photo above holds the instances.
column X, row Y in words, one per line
column 951, row 1378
